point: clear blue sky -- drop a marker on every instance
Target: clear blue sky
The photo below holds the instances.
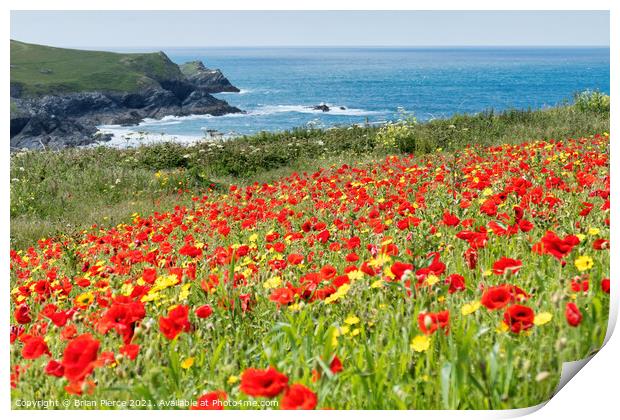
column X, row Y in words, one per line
column 156, row 29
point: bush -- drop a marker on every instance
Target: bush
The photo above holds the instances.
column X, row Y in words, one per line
column 592, row 101
column 400, row 135
column 162, row 156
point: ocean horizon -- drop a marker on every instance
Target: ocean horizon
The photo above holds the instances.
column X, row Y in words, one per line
column 281, row 85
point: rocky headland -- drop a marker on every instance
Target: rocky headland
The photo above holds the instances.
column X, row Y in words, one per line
column 57, row 106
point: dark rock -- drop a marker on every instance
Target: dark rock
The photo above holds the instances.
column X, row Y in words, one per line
column 57, row 121
column 180, row 88
column 41, row 132
column 16, row 90
column 18, row 124
column 321, row 107
column 211, row 80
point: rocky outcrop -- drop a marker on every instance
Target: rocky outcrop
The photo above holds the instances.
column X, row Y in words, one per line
column 321, row 107
column 211, row 80
column 57, row 121
column 66, row 120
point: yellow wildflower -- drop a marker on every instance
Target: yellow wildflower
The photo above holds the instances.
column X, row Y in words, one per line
column 420, row 343
column 355, row 275
column 584, row 263
column 432, row 279
column 272, row 283
column 184, row 291
column 187, row 363
column 295, row 307
column 502, row 327
column 342, row 290
column 542, row 318
column 376, row 284
column 84, row 299
column 470, row 308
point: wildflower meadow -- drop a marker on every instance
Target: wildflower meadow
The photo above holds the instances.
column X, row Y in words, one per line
column 454, row 280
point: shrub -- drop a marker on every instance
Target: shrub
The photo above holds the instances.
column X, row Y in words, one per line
column 162, row 156
column 592, row 101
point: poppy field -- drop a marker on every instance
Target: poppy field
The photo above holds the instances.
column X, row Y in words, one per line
column 458, row 280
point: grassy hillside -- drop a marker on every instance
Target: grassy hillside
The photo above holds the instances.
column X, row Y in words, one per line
column 54, row 192
column 43, row 70
column 190, row 68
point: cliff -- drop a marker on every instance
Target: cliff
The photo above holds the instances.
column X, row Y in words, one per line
column 59, row 96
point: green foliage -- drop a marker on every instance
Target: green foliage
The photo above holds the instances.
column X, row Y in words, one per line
column 190, row 68
column 592, row 101
column 41, row 70
column 162, row 156
column 400, row 135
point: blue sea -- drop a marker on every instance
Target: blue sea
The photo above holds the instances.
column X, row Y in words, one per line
column 373, row 85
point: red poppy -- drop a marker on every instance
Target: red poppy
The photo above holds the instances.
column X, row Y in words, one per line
column 328, row 271
column 573, row 314
column 283, row 295
column 149, row 275
column 400, row 268
column 176, row 322
column 558, row 247
column 600, row 244
column 579, row 286
column 450, row 219
column 54, row 368
column 519, row 318
column 79, row 357
column 34, row 348
column 210, row 401
column 323, row 236
column 22, row 314
column 130, row 350
column 263, row 383
column 456, row 282
column 204, row 311
column 429, row 322
column 496, row 297
column 122, row 316
column 60, row 318
column 471, row 257
column 506, row 266
column 336, row 365
column 605, row 285
column 190, row 251
column 295, row 259
column 298, row 397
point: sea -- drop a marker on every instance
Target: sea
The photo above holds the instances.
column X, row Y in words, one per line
column 280, row 86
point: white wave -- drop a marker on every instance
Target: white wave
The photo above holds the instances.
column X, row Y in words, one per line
column 174, row 119
column 241, row 92
column 123, row 138
column 260, row 111
column 305, row 109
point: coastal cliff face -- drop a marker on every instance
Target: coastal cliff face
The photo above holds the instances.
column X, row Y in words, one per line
column 61, row 107
column 211, row 80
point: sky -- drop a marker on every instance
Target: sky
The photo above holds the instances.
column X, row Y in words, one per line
column 158, row 29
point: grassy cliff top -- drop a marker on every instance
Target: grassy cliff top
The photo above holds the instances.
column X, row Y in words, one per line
column 41, row 70
column 191, row 68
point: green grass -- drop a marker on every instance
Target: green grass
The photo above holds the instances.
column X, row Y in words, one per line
column 190, row 68
column 53, row 190
column 41, row 70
